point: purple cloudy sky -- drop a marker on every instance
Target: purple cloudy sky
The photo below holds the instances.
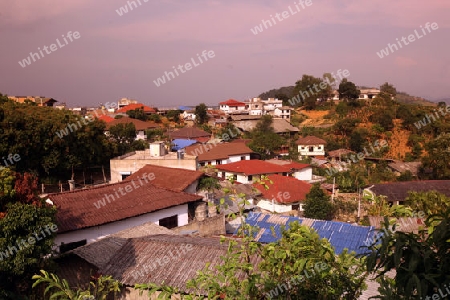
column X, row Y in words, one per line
column 120, row 56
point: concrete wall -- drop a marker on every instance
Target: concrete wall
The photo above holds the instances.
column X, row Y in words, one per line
column 133, row 165
column 210, row 226
column 231, row 159
column 303, row 174
column 92, row 234
column 316, row 150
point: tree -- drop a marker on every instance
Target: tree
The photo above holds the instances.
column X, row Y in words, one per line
column 318, row 204
column 358, row 139
column 348, row 91
column 137, row 113
column 346, row 126
column 174, row 115
column 435, row 164
column 310, row 88
column 430, row 202
column 388, row 89
column 155, row 118
column 27, row 230
column 201, row 114
column 100, row 289
column 264, row 139
column 421, row 260
column 123, row 135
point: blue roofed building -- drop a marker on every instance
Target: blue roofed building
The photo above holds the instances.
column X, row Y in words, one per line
column 341, row 235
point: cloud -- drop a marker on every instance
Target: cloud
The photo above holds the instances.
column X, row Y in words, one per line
column 403, row 61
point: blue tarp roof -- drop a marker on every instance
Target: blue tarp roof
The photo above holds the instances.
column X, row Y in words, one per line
column 185, row 107
column 341, row 235
column 181, row 143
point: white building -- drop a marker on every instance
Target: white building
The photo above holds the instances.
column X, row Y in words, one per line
column 231, row 106
column 311, row 146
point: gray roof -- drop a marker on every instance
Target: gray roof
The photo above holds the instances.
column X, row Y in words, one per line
column 398, row 191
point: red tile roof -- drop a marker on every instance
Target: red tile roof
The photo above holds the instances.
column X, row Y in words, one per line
column 146, row 108
column 253, row 167
column 170, row 178
column 76, row 210
column 105, row 118
column 208, row 152
column 232, row 102
column 295, row 188
column 289, row 164
column 140, row 125
column 189, row 133
column 310, row 140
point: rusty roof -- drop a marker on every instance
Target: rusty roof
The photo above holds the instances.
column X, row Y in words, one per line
column 138, row 124
column 398, row 191
column 310, row 140
column 171, row 178
column 279, row 185
column 77, row 209
column 253, row 167
column 189, row 133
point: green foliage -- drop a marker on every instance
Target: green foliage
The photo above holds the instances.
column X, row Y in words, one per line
column 358, row 139
column 435, row 164
column 384, row 118
column 46, row 145
column 406, row 176
column 346, row 126
column 421, row 260
column 430, row 202
column 155, row 118
column 137, row 113
column 174, row 115
column 123, row 135
column 318, row 204
column 201, row 114
column 59, row 289
column 264, row 139
column 348, row 91
column 309, row 89
column 388, row 89
column 18, row 264
column 208, row 183
column 156, row 134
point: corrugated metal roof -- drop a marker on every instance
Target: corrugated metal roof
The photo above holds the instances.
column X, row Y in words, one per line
column 341, row 235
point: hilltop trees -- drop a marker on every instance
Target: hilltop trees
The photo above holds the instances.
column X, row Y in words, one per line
column 348, row 91
column 435, row 165
column 309, row 89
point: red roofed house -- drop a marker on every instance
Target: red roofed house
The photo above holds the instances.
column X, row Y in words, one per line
column 231, row 105
column 148, row 110
column 284, row 194
column 105, row 118
column 84, row 216
column 311, row 146
column 246, row 171
column 300, row 171
column 219, row 154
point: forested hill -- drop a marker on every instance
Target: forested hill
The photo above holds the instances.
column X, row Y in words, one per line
column 402, row 97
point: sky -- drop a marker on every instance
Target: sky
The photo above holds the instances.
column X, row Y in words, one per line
column 122, row 55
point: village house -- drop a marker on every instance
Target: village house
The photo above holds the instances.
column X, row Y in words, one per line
column 84, row 216
column 231, row 106
column 219, row 154
column 284, row 194
column 311, row 146
column 248, row 171
column 39, row 100
column 397, row 192
column 147, row 110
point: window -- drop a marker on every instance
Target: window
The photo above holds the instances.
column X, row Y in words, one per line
column 284, row 174
column 209, row 163
column 223, row 175
column 303, row 148
column 249, row 177
column 124, row 176
column 169, row 222
column 311, row 149
column 242, row 157
column 319, row 148
column 218, row 162
column 202, row 164
column 234, row 177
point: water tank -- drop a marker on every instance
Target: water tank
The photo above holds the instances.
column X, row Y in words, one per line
column 180, row 154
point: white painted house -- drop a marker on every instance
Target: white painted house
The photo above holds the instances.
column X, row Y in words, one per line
column 84, row 216
column 212, row 154
column 311, row 146
column 231, row 106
